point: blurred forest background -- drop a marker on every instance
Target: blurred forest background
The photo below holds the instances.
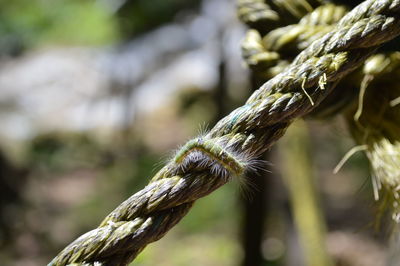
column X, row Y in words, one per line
column 94, row 96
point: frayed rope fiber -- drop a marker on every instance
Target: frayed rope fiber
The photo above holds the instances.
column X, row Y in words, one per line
column 241, row 136
column 375, row 125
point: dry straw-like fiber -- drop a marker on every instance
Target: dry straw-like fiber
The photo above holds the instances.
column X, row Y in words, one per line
column 375, row 124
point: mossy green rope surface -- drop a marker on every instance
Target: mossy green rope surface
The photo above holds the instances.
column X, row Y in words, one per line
column 239, row 137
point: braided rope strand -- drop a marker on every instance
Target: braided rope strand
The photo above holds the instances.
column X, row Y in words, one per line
column 270, row 54
column 264, row 17
column 242, row 135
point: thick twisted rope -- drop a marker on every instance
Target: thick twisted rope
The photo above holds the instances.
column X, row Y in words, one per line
column 264, row 17
column 268, row 55
column 208, row 162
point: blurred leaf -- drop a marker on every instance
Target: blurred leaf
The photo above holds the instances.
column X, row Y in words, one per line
column 138, row 16
column 59, row 21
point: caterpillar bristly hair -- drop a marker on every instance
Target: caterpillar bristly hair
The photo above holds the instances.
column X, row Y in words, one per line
column 212, row 154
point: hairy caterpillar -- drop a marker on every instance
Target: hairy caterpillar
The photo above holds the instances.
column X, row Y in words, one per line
column 202, row 152
column 219, row 158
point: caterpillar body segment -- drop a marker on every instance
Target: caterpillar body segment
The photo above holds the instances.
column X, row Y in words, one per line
column 209, row 153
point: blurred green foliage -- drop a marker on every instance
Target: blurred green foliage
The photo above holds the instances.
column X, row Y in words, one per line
column 63, row 151
column 80, row 22
column 138, row 16
column 24, row 24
